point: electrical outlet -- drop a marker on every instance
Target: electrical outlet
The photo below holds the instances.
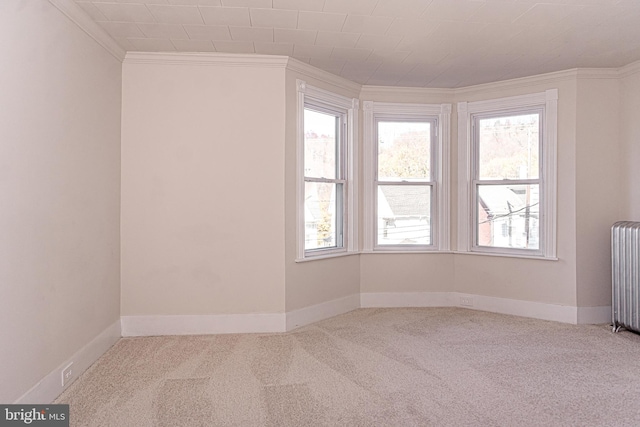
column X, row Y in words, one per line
column 466, row 301
column 67, row 374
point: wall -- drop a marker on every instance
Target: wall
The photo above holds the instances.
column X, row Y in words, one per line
column 630, row 146
column 319, row 281
column 542, row 281
column 59, row 192
column 203, row 187
column 598, row 192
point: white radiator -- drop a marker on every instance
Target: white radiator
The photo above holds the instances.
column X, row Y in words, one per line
column 625, row 258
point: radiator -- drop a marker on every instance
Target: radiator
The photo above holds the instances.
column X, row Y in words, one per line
column 625, row 275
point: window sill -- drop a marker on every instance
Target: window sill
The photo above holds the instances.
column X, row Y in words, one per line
column 507, row 255
column 406, row 251
column 422, row 252
column 327, row 256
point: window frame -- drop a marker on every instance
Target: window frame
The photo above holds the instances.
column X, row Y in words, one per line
column 439, row 115
column 317, row 99
column 469, row 113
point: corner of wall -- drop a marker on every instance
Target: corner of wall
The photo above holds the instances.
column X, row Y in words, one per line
column 50, row 387
column 86, row 24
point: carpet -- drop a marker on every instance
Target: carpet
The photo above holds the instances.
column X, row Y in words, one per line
column 370, row 367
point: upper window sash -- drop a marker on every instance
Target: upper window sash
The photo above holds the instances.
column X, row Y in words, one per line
column 320, row 100
column 469, row 113
column 340, row 116
column 438, row 115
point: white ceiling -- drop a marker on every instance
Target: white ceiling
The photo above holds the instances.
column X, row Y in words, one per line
column 422, row 43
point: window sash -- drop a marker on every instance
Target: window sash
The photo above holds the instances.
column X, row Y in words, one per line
column 475, row 126
column 427, row 183
column 340, row 132
column 339, row 215
column 476, row 181
column 336, row 232
column 439, row 179
column 431, row 186
column 529, row 214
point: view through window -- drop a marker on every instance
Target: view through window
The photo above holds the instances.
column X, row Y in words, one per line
column 323, row 176
column 507, row 180
column 404, row 182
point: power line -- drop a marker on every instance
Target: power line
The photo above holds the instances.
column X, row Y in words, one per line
column 508, row 214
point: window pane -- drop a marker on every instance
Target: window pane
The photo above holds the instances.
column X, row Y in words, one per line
column 322, row 215
column 509, row 216
column 404, row 215
column 404, row 150
column 320, row 144
column 509, row 147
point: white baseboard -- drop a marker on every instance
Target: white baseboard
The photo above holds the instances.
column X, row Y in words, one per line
column 325, row 310
column 134, row 326
column 536, row 310
column 50, row 387
column 594, row 315
column 406, row 299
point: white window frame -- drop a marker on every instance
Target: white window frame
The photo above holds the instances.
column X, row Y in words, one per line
column 441, row 113
column 467, row 159
column 348, row 107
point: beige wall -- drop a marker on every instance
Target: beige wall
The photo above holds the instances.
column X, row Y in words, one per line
column 406, row 273
column 630, row 141
column 598, row 179
column 202, row 189
column 314, row 282
column 59, row 191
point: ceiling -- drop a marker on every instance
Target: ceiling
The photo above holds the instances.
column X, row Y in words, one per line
column 416, row 43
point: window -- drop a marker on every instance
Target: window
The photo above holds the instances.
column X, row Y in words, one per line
column 406, row 168
column 326, row 173
column 507, row 175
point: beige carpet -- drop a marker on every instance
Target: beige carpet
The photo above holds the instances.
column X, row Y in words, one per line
column 371, row 367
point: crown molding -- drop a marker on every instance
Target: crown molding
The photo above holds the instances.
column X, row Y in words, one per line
column 241, row 60
column 372, row 91
column 206, row 59
column 539, row 79
column 629, row 70
column 598, row 73
column 86, row 24
column 406, row 109
column 315, row 73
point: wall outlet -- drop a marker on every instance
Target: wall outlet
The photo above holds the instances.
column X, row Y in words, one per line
column 67, row 374
column 466, row 301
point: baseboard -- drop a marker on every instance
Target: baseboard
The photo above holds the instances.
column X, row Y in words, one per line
column 325, row 310
column 134, row 326
column 536, row 310
column 406, row 299
column 594, row 315
column 50, row 386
